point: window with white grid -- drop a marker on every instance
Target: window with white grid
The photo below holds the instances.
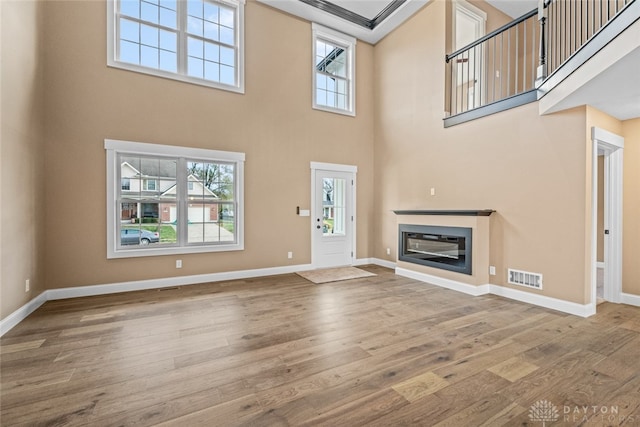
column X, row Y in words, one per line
column 177, row 200
column 198, row 41
column 333, row 71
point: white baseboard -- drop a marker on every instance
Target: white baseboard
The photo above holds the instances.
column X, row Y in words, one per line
column 631, row 299
column 444, row 283
column 20, row 314
column 140, row 285
column 375, row 261
column 582, row 310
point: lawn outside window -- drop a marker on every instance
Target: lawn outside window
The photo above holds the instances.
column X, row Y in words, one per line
column 178, row 200
column 196, row 41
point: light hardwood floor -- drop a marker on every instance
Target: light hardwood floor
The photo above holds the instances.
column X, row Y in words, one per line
column 278, row 351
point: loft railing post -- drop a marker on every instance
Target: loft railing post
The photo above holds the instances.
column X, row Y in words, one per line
column 541, row 73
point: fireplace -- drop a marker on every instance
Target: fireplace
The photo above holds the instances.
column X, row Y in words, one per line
column 448, row 248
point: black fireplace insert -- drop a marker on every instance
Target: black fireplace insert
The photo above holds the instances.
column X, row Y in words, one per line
column 448, row 248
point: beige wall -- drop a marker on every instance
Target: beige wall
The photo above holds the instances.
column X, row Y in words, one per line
column 531, row 169
column 273, row 123
column 22, row 178
column 631, row 207
column 60, row 101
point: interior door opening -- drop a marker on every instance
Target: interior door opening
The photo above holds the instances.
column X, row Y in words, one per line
column 601, row 230
column 469, row 24
column 606, row 266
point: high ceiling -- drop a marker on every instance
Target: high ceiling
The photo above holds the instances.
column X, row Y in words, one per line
column 371, row 20
column 369, row 8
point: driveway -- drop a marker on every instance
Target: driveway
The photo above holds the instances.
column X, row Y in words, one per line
column 208, row 232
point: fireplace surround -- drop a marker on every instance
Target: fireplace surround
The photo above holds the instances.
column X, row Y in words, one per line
column 478, row 220
column 447, row 248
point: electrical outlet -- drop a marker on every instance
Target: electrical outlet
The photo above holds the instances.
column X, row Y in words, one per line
column 433, row 191
column 290, row 255
column 178, row 263
column 388, row 251
column 27, row 285
column 492, row 270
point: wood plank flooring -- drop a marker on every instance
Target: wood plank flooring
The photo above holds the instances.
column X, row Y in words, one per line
column 282, row 351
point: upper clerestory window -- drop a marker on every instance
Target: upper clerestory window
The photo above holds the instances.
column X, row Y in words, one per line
column 333, row 71
column 196, row 41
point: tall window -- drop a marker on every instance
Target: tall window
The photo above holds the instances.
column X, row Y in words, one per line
column 179, row 200
column 333, row 71
column 198, row 41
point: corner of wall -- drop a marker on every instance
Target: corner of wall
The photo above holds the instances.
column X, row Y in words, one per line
column 22, row 233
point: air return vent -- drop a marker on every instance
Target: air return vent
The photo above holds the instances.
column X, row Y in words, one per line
column 525, row 278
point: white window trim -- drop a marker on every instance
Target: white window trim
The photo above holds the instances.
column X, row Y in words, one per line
column 114, row 147
column 344, row 41
column 112, row 42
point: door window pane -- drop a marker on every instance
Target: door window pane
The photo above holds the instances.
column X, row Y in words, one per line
column 334, row 206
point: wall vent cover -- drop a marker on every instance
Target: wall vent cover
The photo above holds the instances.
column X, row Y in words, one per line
column 525, row 278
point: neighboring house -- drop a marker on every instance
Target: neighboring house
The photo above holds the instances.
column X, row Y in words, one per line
column 160, row 184
column 198, row 212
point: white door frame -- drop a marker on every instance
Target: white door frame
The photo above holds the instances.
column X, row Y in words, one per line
column 480, row 18
column 332, row 167
column 612, row 146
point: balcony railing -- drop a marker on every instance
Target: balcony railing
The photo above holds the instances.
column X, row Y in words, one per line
column 497, row 66
column 570, row 24
column 504, row 68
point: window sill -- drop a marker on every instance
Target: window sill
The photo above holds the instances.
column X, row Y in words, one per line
column 173, row 250
column 334, row 110
column 174, row 76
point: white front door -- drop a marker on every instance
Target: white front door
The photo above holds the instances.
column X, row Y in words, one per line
column 332, row 215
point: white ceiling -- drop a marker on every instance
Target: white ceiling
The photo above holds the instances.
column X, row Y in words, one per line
column 606, row 81
column 369, row 9
column 514, row 8
column 612, row 92
column 366, row 8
